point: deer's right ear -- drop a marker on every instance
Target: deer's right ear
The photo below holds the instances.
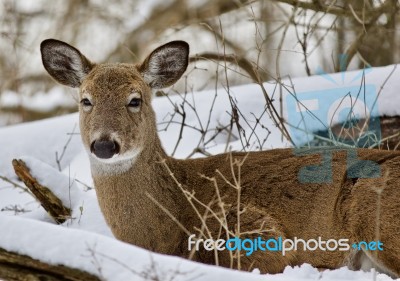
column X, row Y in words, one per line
column 64, row 63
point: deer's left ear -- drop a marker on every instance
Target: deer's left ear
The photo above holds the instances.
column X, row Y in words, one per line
column 166, row 64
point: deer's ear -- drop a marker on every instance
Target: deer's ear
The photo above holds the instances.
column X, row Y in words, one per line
column 166, row 64
column 64, row 63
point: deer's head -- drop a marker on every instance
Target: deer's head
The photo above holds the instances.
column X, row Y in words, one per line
column 116, row 117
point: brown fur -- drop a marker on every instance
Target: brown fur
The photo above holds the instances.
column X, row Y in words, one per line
column 271, row 194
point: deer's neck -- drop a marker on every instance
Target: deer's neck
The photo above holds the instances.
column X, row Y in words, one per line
column 133, row 200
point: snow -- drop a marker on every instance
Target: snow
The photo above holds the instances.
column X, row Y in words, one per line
column 86, row 234
column 43, row 102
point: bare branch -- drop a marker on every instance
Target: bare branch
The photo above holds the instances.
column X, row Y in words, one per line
column 339, row 11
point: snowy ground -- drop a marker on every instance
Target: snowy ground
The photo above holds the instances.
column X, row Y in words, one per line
column 27, row 229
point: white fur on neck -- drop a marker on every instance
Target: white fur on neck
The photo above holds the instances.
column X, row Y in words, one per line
column 115, row 165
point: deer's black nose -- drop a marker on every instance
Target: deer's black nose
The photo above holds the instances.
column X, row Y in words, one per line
column 104, row 149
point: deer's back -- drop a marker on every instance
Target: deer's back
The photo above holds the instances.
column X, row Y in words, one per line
column 270, row 181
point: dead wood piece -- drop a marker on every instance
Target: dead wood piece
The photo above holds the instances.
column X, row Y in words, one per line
column 50, row 202
column 18, row 267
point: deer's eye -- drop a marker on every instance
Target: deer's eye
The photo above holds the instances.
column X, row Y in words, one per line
column 86, row 102
column 135, row 103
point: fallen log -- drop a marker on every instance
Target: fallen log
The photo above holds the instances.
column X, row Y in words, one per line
column 16, row 267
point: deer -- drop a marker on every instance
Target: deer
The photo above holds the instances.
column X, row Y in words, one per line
column 155, row 201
